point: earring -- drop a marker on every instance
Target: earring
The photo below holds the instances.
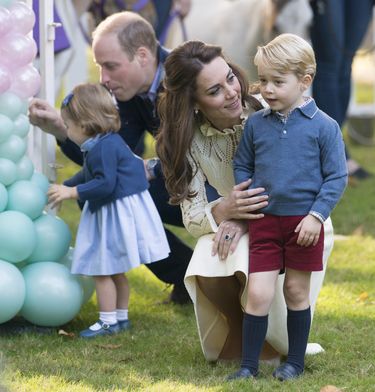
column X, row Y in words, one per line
column 196, row 111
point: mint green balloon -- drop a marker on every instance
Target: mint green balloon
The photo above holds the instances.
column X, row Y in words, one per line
column 10, row 104
column 6, row 127
column 17, row 236
column 13, row 148
column 12, row 291
column 41, row 180
column 53, row 295
column 3, row 197
column 53, row 238
column 25, row 168
column 25, row 196
column 6, row 3
column 21, row 125
column 8, row 171
column 87, row 282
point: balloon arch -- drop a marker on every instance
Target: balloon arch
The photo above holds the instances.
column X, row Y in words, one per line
column 35, row 253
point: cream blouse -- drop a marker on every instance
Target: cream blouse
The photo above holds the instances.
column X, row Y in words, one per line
column 211, row 157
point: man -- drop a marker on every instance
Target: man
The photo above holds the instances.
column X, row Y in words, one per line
column 131, row 65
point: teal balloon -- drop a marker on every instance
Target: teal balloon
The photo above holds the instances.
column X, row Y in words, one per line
column 17, row 236
column 12, row 291
column 8, row 171
column 87, row 282
column 24, row 106
column 53, row 238
column 6, row 127
column 25, row 168
column 53, row 295
column 3, row 197
column 26, row 197
column 41, row 180
column 13, row 148
column 21, row 125
column 6, row 3
column 11, row 105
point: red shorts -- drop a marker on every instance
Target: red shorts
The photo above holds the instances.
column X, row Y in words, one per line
column 273, row 246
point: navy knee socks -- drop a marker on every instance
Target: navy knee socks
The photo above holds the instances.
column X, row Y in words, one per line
column 254, row 329
column 298, row 324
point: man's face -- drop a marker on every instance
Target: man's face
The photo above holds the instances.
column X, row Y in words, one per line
column 123, row 77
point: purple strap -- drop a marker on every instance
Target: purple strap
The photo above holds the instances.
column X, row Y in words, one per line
column 172, row 16
column 61, row 39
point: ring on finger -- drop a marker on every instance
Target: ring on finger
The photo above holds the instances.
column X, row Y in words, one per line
column 228, row 237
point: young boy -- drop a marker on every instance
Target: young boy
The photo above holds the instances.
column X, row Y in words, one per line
column 296, row 152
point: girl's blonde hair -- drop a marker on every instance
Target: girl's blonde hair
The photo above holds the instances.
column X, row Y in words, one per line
column 287, row 53
column 92, row 106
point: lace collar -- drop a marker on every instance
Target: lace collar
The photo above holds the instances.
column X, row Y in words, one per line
column 207, row 129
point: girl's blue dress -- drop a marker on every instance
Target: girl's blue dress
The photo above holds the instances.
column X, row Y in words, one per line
column 119, row 236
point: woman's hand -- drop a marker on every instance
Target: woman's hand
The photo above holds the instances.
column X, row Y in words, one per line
column 242, row 203
column 47, row 118
column 57, row 193
column 227, row 237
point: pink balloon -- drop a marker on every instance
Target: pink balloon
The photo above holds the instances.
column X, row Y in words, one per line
column 5, row 79
column 5, row 21
column 26, row 82
column 23, row 17
column 17, row 50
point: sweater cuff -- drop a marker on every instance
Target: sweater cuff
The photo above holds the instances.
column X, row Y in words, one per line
column 317, row 215
column 208, row 211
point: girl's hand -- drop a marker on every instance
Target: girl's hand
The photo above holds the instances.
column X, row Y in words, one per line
column 309, row 231
column 227, row 237
column 57, row 193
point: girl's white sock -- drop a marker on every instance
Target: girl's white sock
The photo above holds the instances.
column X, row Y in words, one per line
column 108, row 317
column 122, row 314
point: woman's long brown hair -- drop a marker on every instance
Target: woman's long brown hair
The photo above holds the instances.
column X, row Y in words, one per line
column 176, row 110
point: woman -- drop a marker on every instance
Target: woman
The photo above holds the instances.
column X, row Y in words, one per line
column 203, row 110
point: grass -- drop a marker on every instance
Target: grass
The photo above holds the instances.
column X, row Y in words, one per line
column 162, row 351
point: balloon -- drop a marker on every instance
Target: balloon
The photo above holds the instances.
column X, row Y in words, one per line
column 12, row 291
column 13, row 148
column 5, row 20
column 87, row 282
column 6, row 127
column 5, row 79
column 10, row 105
column 6, row 3
column 26, row 82
column 23, row 17
column 21, row 125
column 8, row 171
column 25, row 168
column 52, row 239
column 3, row 197
column 17, row 236
column 17, row 50
column 53, row 295
column 26, row 197
column 41, row 180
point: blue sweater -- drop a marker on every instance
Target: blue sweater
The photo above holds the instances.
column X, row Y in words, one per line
column 110, row 172
column 301, row 163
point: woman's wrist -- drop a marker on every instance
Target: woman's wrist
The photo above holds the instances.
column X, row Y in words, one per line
column 220, row 211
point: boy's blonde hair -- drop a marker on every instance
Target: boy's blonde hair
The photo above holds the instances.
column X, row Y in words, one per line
column 92, row 106
column 287, row 53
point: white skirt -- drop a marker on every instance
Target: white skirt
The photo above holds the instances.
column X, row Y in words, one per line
column 212, row 326
column 119, row 236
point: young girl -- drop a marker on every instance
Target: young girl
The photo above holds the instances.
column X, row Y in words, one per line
column 120, row 227
column 296, row 152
